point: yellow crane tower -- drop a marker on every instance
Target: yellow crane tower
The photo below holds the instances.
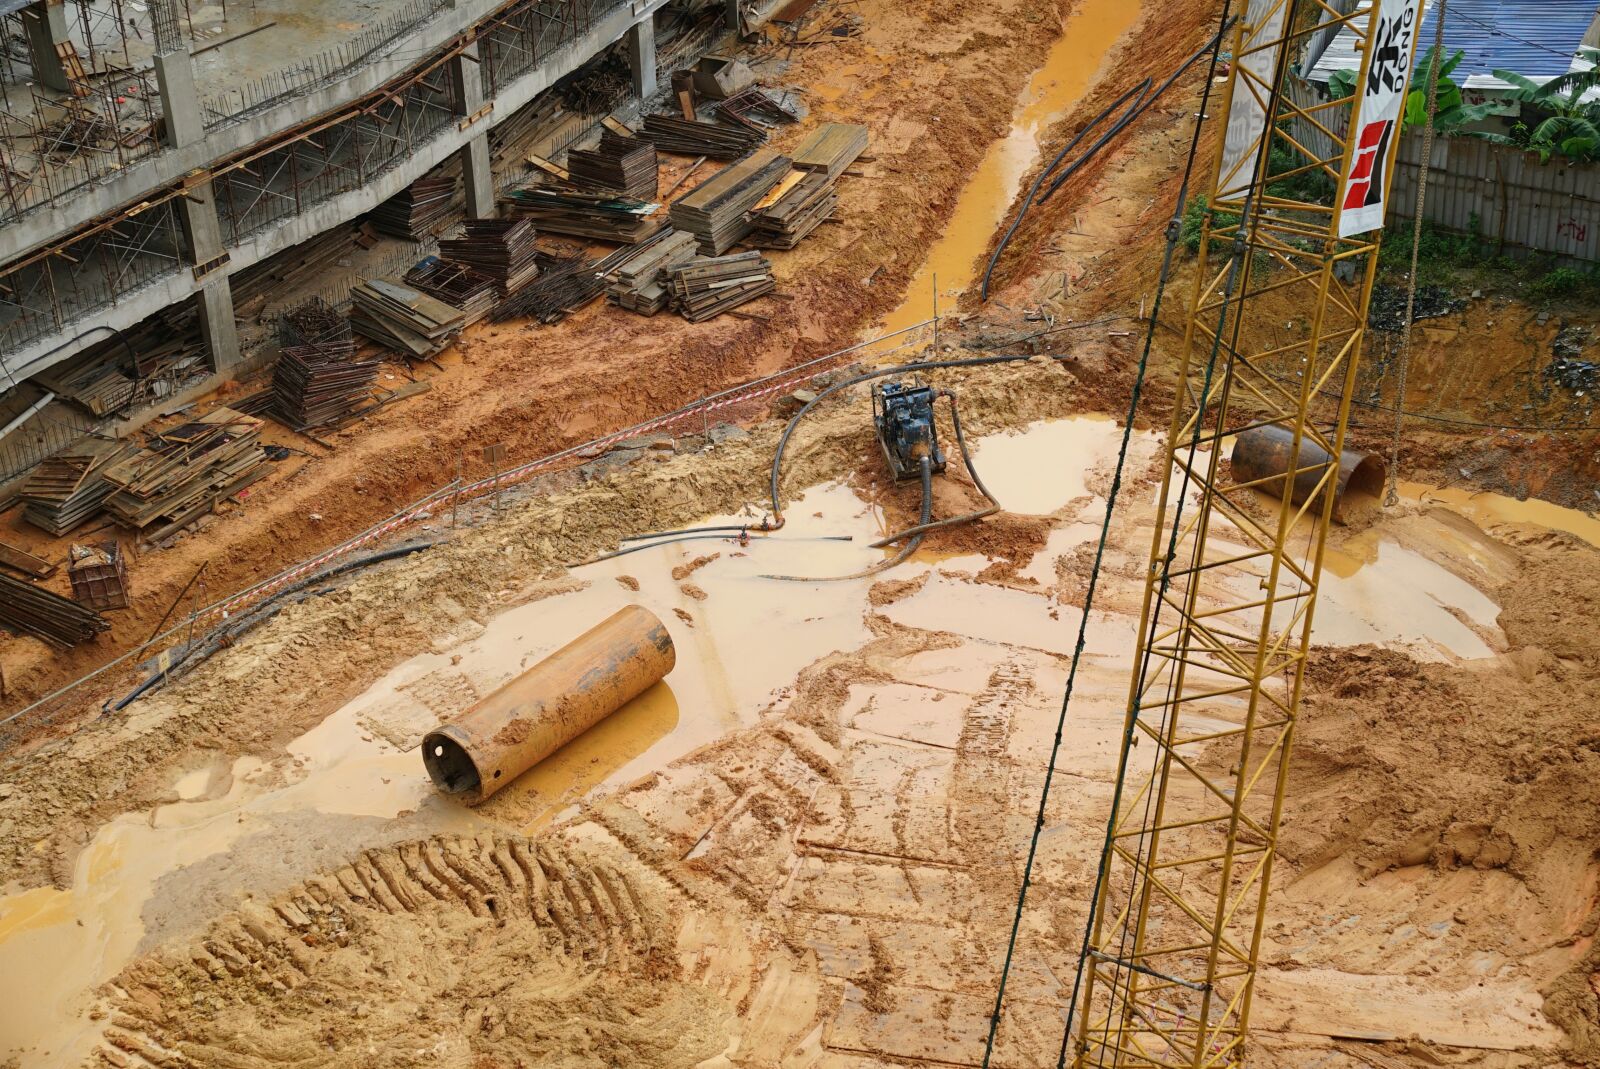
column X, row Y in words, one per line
column 1180, row 903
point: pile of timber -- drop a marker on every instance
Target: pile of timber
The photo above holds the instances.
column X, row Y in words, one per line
column 796, row 207
column 138, row 365
column 318, row 385
column 690, row 137
column 503, row 249
column 831, row 148
column 418, row 210
column 639, row 283
column 753, row 105
column 66, row 490
column 704, row 288
column 717, row 212
column 624, row 165
column 260, row 283
column 457, row 285
column 400, row 318
column 26, row 609
column 182, row 473
column 587, row 215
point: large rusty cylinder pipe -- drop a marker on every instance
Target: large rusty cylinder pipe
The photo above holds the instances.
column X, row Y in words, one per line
column 549, row 705
column 1261, row 456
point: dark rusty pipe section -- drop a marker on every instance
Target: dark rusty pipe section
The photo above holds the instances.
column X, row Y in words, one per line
column 549, row 705
column 1261, row 453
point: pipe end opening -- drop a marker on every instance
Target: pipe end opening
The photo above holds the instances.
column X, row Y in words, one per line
column 448, row 765
column 1362, row 498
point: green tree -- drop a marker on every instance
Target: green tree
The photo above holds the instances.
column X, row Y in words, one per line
column 1559, row 120
column 1452, row 113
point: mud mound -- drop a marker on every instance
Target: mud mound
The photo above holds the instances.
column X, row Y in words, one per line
column 486, row 952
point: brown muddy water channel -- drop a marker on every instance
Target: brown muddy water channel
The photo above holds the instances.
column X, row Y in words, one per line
column 233, row 827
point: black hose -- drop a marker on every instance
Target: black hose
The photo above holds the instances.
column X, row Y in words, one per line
column 731, row 527
column 694, row 538
column 225, row 633
column 883, row 565
column 1136, row 109
column 900, row 369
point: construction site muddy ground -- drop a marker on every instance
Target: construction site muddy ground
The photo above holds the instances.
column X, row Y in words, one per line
column 804, row 846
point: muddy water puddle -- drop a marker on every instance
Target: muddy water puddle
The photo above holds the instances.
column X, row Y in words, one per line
column 1090, row 33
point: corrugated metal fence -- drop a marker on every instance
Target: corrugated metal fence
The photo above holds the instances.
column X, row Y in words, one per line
column 1513, row 200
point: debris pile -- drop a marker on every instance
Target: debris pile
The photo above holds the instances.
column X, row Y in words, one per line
column 26, row 609
column 567, row 281
column 622, row 165
column 503, row 249
column 312, row 322
column 691, row 137
column 416, row 211
column 65, row 490
column 705, row 288
column 589, row 215
column 753, row 106
column 1387, row 312
column 321, row 384
column 717, row 211
column 403, row 319
column 639, row 283
column 182, row 473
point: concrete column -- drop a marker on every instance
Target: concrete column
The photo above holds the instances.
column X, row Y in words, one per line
column 730, row 14
column 203, row 234
column 45, row 23
column 477, row 175
column 642, row 56
column 180, row 104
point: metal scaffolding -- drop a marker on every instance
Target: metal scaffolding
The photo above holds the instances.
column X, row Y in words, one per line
column 1169, row 969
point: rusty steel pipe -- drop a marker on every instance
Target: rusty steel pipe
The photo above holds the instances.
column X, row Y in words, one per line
column 549, row 705
column 1261, row 453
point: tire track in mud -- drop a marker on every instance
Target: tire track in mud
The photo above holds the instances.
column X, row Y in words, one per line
column 504, row 949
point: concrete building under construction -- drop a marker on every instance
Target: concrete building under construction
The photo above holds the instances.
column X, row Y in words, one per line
column 163, row 174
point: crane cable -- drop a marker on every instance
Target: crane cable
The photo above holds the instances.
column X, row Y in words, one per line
column 1392, row 497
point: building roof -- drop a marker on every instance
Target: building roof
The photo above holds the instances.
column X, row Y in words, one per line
column 1535, row 38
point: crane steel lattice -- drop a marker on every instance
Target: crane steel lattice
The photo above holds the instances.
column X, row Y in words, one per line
column 1170, row 962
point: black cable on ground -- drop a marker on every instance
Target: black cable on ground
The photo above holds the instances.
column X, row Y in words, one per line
column 1142, row 101
column 225, row 633
column 1174, row 228
column 905, row 551
column 696, row 537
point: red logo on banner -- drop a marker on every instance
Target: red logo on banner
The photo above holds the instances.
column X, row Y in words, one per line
column 1366, row 175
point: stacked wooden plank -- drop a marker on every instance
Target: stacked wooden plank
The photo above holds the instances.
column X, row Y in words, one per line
column 625, row 165
column 704, row 288
column 500, row 248
column 639, row 283
column 65, row 490
column 717, row 212
column 26, row 609
column 588, row 215
column 416, row 211
column 784, row 220
column 403, row 319
column 318, row 385
column 831, row 148
column 457, row 285
column 256, row 286
column 185, row 471
column 690, row 137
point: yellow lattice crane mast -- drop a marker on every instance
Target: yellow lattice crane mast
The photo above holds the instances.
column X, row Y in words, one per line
column 1273, row 337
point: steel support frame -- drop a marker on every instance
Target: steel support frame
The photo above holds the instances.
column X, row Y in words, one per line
column 1170, row 964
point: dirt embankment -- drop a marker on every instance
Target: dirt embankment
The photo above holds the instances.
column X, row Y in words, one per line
column 935, row 83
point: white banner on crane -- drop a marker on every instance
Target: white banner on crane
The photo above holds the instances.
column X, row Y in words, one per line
column 1377, row 118
column 1244, row 139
